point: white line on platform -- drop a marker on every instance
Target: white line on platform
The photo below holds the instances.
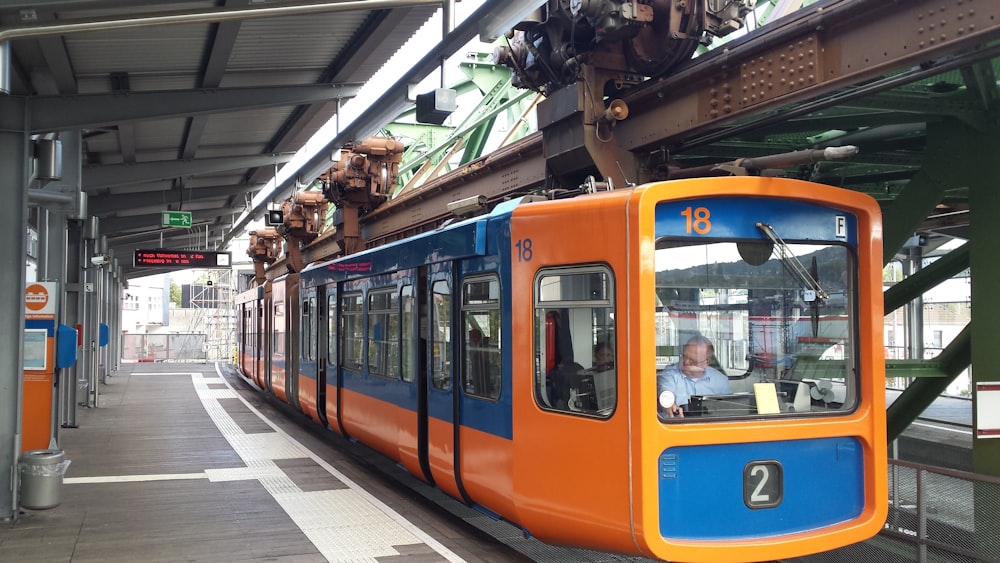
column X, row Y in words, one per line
column 339, row 514
column 133, row 478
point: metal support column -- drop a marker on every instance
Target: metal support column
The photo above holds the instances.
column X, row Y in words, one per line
column 982, row 148
column 914, row 309
column 71, row 312
column 90, row 280
column 115, row 313
column 13, row 213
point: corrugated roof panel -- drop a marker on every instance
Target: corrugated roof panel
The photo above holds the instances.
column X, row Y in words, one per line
column 251, row 126
column 139, row 51
column 213, row 181
column 322, row 115
column 159, row 134
column 251, row 78
column 410, row 21
column 92, row 10
column 212, row 151
column 102, row 84
column 300, row 42
column 105, row 142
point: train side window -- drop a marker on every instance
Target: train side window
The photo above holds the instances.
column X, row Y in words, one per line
column 278, row 332
column 574, row 344
column 441, row 336
column 481, row 337
column 352, row 332
column 383, row 333
column 331, row 325
column 408, row 342
column 313, row 328
column 308, row 339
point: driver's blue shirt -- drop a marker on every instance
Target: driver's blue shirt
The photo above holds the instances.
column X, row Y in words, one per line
column 713, row 382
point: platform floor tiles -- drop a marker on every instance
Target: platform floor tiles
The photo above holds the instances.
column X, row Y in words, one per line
column 176, row 465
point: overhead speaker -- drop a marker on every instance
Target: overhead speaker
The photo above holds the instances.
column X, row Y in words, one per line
column 435, row 106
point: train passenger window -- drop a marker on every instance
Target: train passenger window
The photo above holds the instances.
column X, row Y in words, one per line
column 308, row 332
column 331, row 327
column 441, row 336
column 408, row 340
column 278, row 334
column 481, row 337
column 352, row 331
column 754, row 329
column 383, row 333
column 575, row 345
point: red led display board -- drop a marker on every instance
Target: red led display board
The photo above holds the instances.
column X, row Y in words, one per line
column 181, row 259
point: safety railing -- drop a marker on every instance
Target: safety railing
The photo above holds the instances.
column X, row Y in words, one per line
column 165, row 348
column 935, row 515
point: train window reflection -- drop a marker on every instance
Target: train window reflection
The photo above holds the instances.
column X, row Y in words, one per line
column 779, row 323
column 481, row 337
column 331, row 327
column 575, row 368
column 441, row 336
column 408, row 328
column 352, row 330
column 383, row 333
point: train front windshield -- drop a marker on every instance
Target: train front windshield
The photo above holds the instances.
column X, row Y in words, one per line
column 754, row 327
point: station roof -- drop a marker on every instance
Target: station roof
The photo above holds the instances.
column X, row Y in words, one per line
column 191, row 105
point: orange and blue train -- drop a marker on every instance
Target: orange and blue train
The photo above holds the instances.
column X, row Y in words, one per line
column 521, row 361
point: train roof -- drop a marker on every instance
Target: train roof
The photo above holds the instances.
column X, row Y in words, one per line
column 452, row 241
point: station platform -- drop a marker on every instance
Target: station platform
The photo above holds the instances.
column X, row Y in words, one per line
column 179, row 463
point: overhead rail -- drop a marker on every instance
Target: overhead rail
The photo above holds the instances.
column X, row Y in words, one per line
column 677, row 111
column 393, row 102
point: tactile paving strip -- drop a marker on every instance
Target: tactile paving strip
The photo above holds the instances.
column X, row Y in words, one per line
column 344, row 524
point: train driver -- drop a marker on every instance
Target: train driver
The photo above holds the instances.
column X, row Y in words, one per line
column 604, row 357
column 692, row 375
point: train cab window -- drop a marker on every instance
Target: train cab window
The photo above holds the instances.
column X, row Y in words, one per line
column 481, row 337
column 352, row 331
column 575, row 369
column 441, row 336
column 751, row 329
column 383, row 333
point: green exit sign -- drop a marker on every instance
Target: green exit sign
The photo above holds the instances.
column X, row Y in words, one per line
column 175, row 218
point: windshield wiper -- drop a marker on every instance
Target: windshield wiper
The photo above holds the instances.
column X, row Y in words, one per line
column 790, row 262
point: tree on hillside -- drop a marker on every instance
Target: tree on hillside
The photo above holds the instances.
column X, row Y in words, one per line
column 175, row 294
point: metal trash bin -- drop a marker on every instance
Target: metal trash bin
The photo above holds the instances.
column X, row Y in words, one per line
column 42, row 478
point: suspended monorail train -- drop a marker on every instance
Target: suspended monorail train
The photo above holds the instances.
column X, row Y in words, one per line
column 468, row 355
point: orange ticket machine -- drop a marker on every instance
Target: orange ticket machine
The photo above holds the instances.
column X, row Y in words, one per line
column 48, row 346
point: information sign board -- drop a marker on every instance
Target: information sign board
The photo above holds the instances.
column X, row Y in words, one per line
column 181, row 259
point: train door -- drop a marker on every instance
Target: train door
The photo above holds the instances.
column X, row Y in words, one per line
column 332, row 381
column 442, row 402
column 293, row 332
column 484, row 446
column 321, row 336
column 277, row 374
column 420, row 330
column 266, row 330
column 307, row 382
